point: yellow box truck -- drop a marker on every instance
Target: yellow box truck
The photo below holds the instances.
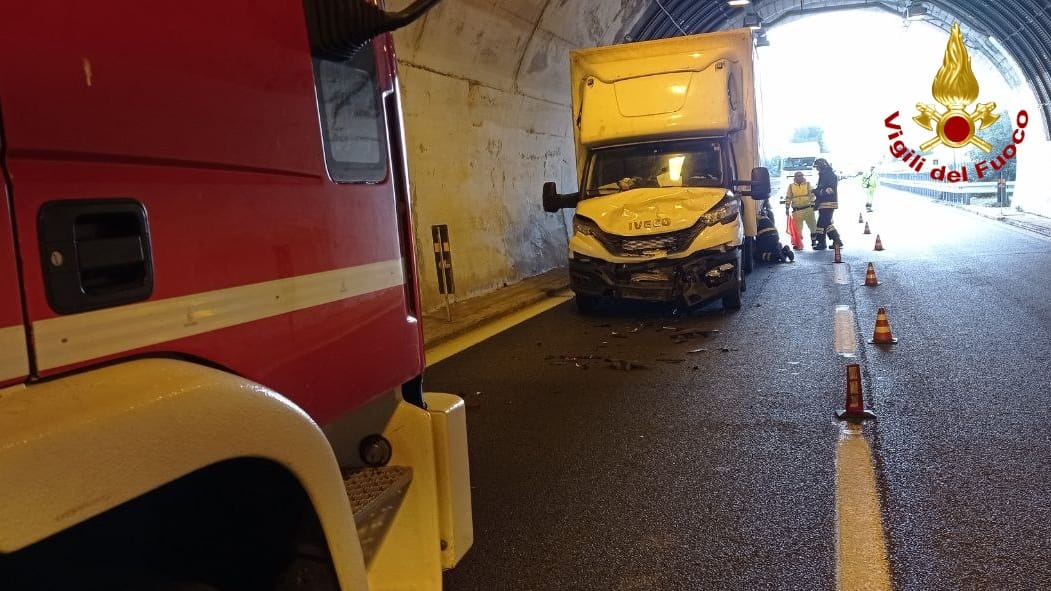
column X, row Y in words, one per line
column 664, row 132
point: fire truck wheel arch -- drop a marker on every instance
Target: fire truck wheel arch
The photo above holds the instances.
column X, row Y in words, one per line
column 116, row 433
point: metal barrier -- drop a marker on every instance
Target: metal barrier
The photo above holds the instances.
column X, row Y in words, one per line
column 920, row 184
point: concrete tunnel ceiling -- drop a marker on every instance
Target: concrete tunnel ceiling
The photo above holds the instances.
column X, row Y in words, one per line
column 1021, row 27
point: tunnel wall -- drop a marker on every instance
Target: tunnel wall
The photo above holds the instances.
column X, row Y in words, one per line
column 486, row 98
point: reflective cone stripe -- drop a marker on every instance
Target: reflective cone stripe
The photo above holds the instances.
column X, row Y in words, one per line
column 882, row 335
column 855, row 401
column 879, row 244
column 870, row 276
column 855, row 405
column 867, row 231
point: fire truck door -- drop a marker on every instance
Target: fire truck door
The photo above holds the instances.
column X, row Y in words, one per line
column 14, row 364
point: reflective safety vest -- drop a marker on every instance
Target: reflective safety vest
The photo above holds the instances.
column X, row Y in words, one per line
column 800, row 195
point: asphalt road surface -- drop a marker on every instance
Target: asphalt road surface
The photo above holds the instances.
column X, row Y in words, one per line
column 645, row 447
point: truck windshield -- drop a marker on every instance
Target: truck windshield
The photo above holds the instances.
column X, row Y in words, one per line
column 681, row 163
column 798, row 163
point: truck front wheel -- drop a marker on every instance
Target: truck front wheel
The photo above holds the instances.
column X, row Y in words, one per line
column 747, row 248
column 732, row 300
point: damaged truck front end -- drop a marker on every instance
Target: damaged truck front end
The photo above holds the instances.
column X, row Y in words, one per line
column 660, row 245
column 659, row 222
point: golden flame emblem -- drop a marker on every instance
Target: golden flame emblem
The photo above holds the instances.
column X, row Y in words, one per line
column 955, row 87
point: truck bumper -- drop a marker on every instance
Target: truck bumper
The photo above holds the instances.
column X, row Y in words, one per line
column 698, row 278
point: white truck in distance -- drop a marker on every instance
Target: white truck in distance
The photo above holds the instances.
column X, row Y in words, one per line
column 663, row 131
column 800, row 157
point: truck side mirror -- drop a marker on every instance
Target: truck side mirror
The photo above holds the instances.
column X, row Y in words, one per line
column 759, row 186
column 339, row 28
column 554, row 202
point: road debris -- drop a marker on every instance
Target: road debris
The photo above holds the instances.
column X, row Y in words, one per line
column 686, row 335
column 625, row 365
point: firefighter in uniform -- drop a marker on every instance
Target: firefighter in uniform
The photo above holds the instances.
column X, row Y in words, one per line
column 800, row 197
column 768, row 247
column 826, row 198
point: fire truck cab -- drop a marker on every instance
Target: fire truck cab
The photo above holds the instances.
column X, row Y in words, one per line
column 210, row 345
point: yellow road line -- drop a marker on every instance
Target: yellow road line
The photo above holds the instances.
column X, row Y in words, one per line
column 861, row 551
column 485, row 331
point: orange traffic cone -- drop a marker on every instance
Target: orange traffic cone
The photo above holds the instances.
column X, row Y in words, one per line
column 839, row 257
column 881, row 335
column 867, row 231
column 860, row 219
column 879, row 244
column 795, row 234
column 870, row 276
column 855, row 406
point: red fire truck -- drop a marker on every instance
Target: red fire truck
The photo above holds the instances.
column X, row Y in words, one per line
column 210, row 346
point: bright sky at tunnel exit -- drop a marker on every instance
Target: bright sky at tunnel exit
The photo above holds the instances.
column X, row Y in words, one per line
column 846, row 71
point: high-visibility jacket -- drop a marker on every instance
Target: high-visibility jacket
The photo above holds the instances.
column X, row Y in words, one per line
column 800, row 195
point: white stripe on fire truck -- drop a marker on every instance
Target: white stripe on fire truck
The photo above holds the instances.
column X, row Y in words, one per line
column 80, row 337
column 13, row 360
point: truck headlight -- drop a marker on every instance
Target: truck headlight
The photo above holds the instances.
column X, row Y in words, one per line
column 584, row 226
column 724, row 212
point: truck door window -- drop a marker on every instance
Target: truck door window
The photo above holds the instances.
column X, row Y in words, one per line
column 683, row 163
column 351, row 117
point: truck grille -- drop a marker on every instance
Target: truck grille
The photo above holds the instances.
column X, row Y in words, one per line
column 638, row 246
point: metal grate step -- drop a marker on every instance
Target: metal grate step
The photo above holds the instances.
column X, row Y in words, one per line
column 375, row 495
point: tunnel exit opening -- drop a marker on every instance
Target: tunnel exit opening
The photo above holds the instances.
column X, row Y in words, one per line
column 926, row 109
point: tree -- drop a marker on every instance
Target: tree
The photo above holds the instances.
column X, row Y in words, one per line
column 810, row 133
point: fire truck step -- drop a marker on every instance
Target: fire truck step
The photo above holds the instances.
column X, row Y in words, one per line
column 375, row 495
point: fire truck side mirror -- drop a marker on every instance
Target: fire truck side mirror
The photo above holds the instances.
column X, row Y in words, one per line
column 339, row 28
column 554, row 202
column 759, row 186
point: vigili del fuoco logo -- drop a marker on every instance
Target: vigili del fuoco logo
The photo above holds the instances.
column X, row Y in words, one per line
column 955, row 88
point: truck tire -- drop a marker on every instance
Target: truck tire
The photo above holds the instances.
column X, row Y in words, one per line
column 732, row 299
column 586, row 304
column 746, row 254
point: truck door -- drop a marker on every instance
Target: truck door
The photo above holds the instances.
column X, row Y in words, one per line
column 172, row 199
column 14, row 363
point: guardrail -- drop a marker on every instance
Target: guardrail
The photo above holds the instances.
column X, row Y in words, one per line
column 952, row 192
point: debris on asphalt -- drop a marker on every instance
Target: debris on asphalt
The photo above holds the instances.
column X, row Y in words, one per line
column 728, row 349
column 702, row 350
column 625, row 364
column 686, row 335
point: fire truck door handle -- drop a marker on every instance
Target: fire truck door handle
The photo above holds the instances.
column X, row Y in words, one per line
column 95, row 253
column 109, row 252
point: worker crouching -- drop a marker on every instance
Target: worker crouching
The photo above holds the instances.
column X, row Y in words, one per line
column 768, row 247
